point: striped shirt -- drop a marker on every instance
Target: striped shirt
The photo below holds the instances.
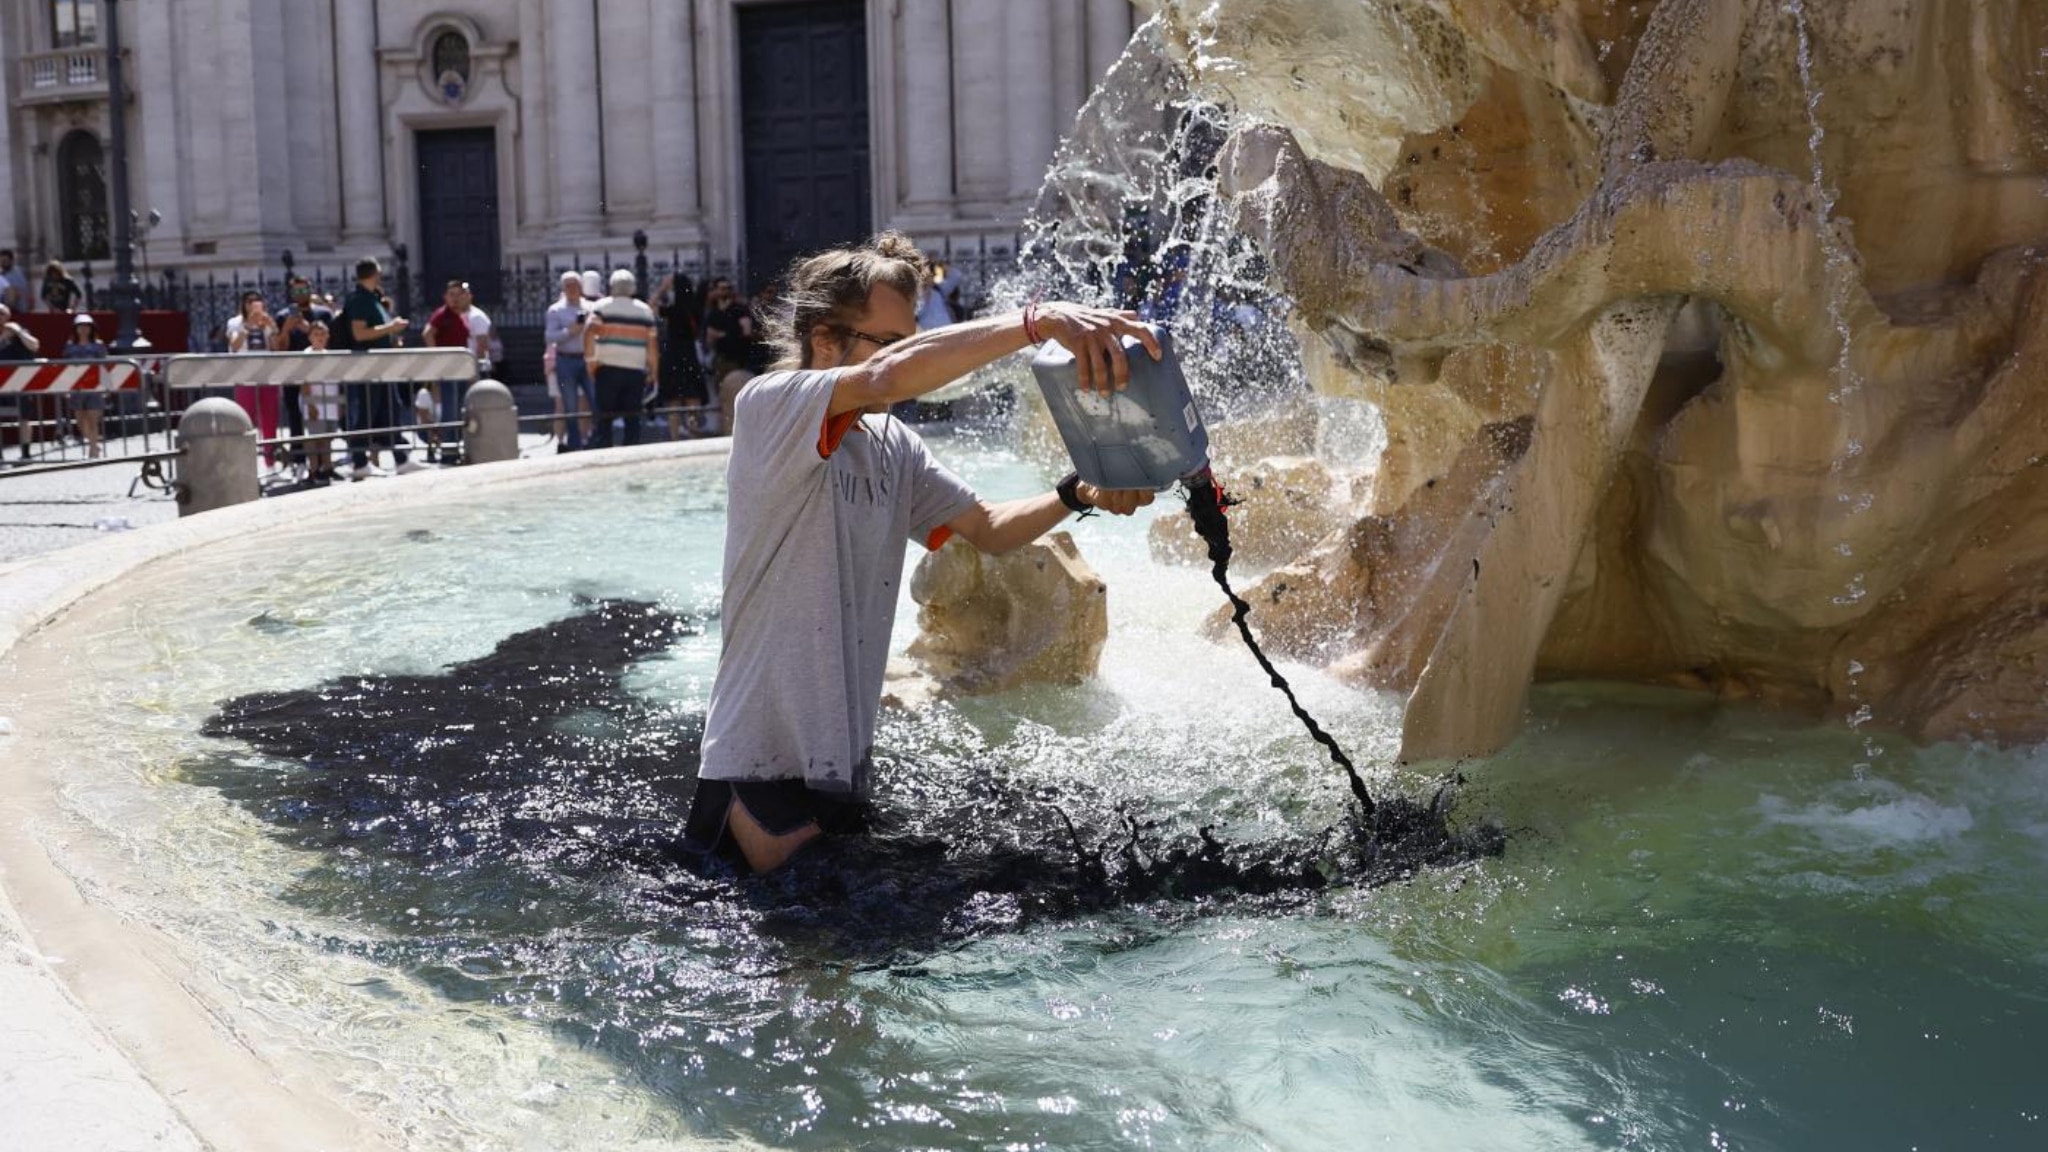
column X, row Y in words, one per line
column 622, row 325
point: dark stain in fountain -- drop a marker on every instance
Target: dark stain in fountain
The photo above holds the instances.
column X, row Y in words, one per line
column 534, row 761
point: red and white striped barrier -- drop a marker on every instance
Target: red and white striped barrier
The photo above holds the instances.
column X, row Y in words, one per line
column 384, row 366
column 36, row 377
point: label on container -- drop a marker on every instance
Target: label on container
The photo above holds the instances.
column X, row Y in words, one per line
column 1193, row 421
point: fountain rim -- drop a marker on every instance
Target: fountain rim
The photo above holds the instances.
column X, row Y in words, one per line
column 121, row 990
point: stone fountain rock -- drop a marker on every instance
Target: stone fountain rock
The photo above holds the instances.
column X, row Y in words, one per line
column 1661, row 404
column 1038, row 615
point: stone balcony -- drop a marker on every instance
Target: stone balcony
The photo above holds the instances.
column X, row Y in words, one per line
column 63, row 76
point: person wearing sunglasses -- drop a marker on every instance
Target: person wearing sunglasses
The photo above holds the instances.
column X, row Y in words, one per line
column 823, row 494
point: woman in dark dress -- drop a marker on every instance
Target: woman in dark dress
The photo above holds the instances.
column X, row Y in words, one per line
column 682, row 374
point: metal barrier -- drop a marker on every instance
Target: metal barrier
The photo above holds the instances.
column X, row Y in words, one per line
column 46, row 377
column 36, row 390
column 215, row 461
column 42, row 383
column 383, row 366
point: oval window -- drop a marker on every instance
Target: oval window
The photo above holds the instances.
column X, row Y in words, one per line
column 451, row 65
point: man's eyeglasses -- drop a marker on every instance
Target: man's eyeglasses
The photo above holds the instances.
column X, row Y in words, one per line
column 877, row 341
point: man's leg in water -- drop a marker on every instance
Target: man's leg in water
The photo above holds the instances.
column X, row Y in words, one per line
column 764, row 822
column 765, row 851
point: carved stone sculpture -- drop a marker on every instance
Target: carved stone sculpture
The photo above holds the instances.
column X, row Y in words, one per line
column 1038, row 615
column 1709, row 336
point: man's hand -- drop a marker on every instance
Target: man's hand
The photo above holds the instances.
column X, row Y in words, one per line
column 1095, row 337
column 1116, row 502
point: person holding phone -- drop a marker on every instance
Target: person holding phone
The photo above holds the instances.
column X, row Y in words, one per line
column 566, row 320
column 371, row 326
column 254, row 330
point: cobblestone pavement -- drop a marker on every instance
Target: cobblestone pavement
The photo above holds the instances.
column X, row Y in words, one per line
column 41, row 513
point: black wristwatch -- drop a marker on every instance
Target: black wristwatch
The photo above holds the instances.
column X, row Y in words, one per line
column 1069, row 489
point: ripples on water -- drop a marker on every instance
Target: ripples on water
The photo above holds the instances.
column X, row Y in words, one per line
column 1703, row 926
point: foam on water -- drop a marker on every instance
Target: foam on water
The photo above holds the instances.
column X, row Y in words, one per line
column 1871, row 816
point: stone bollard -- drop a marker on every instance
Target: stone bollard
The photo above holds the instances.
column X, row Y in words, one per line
column 218, row 464
column 490, row 427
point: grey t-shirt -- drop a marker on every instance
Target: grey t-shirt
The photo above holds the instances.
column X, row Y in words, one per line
column 816, row 526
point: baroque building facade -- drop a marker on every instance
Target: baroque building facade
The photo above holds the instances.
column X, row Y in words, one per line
column 476, row 135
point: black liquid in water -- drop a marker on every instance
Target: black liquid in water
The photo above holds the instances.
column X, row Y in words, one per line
column 536, row 754
column 511, row 826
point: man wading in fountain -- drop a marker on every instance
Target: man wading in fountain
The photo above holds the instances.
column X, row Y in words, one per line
column 821, row 500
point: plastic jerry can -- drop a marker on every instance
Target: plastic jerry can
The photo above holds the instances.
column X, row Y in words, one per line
column 1147, row 436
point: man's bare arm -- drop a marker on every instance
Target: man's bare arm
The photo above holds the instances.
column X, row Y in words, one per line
column 1008, row 526
column 933, row 359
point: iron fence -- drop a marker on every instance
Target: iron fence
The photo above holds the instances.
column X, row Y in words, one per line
column 516, row 295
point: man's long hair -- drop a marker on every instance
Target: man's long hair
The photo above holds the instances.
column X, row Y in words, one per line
column 831, row 288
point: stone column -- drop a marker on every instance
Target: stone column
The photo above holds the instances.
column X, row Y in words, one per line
column 1109, row 30
column 9, row 234
column 362, row 133
column 925, row 64
column 156, row 139
column 536, row 196
column 1027, row 56
column 572, row 92
column 981, row 103
column 673, row 94
column 1071, row 80
column 308, row 160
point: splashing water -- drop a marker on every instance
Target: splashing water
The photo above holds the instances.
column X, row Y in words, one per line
column 1129, row 217
column 1848, row 387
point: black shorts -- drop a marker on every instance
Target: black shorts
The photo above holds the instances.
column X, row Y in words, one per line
column 780, row 806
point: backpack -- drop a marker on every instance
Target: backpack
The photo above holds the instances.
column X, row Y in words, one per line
column 341, row 333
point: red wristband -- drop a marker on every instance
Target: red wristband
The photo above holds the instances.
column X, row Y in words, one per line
column 1031, row 322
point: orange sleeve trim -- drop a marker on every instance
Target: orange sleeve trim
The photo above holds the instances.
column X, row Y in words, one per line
column 938, row 538
column 835, row 430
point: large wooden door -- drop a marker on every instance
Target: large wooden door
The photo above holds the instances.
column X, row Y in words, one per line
column 459, row 212
column 804, row 130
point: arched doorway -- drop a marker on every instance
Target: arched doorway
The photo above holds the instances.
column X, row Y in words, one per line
column 82, row 196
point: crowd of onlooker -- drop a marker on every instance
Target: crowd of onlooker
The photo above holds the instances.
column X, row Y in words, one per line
column 613, row 360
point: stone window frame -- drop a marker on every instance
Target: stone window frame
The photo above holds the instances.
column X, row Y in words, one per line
column 449, row 48
column 76, row 8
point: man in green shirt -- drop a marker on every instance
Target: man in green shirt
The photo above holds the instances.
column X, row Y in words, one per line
column 371, row 326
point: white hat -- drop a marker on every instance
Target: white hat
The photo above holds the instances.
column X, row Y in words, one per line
column 83, row 318
column 572, row 274
column 622, row 281
column 593, row 284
